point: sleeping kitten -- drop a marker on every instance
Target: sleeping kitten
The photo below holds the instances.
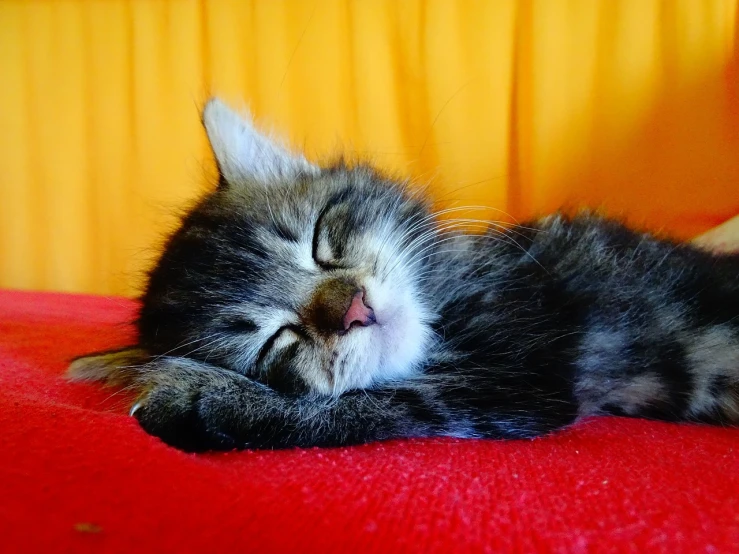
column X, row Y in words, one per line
column 301, row 306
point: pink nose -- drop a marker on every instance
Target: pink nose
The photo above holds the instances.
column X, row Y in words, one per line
column 358, row 313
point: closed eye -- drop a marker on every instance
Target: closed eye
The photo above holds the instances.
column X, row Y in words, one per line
column 270, row 343
column 323, row 254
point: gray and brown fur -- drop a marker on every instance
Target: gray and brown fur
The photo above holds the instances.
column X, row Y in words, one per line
column 511, row 332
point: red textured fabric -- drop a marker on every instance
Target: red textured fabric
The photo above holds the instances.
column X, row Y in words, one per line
column 78, row 475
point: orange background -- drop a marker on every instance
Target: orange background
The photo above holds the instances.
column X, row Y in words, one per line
column 631, row 106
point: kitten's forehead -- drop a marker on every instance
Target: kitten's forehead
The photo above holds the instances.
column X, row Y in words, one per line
column 291, row 207
column 283, row 227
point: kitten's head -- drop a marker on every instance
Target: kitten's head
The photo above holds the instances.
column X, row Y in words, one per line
column 303, row 277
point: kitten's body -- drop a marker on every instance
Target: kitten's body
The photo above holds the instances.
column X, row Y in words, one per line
column 300, row 306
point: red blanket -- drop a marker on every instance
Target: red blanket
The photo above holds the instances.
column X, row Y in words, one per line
column 77, row 474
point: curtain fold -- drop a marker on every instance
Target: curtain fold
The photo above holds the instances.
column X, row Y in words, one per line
column 522, row 107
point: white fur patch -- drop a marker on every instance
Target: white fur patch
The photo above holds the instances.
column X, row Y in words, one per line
column 401, row 331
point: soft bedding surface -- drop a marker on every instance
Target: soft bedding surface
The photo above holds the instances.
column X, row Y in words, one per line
column 77, row 474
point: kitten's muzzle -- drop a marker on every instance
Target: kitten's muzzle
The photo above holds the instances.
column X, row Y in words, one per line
column 337, row 306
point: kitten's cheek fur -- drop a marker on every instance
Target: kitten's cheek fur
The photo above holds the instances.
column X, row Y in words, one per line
column 403, row 335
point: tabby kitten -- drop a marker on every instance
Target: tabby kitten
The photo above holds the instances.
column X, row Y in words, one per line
column 301, row 306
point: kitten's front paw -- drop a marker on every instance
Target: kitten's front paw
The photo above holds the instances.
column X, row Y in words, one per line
column 203, row 415
column 180, row 421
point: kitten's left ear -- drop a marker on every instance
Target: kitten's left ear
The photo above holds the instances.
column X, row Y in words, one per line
column 244, row 154
column 115, row 367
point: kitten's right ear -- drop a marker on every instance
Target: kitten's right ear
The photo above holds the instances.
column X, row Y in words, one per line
column 244, row 154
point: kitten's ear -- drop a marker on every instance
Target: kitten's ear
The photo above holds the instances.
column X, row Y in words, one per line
column 244, row 154
column 115, row 367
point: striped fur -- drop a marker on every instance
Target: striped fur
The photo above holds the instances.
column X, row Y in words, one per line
column 510, row 332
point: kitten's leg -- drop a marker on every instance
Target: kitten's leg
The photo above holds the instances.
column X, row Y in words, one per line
column 674, row 354
column 197, row 406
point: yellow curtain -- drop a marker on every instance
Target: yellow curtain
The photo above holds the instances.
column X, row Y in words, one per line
column 523, row 106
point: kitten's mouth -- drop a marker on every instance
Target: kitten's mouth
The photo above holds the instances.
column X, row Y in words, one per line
column 353, row 326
